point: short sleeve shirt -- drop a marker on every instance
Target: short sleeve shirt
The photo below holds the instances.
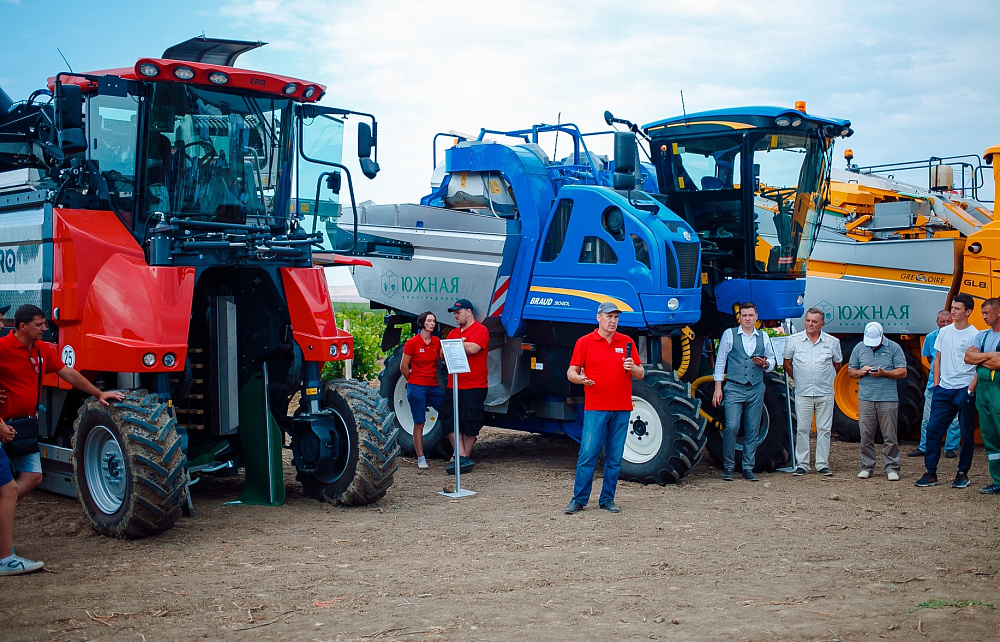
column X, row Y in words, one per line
column 987, row 341
column 889, row 356
column 812, row 363
column 950, row 346
column 602, row 362
column 424, row 358
column 479, row 375
column 19, row 376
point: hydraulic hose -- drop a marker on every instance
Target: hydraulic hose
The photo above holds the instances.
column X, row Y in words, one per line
column 685, row 356
column 709, row 418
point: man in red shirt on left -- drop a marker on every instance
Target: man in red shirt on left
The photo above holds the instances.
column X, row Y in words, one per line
column 23, row 356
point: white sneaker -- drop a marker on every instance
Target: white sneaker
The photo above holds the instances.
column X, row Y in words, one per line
column 892, row 475
column 18, row 565
column 864, row 474
column 422, row 463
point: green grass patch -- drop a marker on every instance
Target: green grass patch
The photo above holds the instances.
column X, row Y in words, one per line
column 958, row 604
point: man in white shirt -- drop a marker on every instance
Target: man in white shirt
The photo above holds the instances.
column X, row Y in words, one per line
column 812, row 358
column 954, row 383
column 742, row 364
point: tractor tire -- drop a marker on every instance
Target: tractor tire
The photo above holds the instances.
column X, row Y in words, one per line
column 845, row 397
column 666, row 435
column 392, row 388
column 774, row 447
column 911, row 399
column 128, row 465
column 371, row 462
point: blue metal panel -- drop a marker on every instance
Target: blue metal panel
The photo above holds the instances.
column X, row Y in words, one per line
column 775, row 299
column 533, row 194
column 565, row 289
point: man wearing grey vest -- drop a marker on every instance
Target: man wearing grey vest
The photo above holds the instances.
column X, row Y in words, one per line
column 745, row 354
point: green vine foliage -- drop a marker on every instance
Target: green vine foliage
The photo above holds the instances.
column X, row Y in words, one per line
column 366, row 327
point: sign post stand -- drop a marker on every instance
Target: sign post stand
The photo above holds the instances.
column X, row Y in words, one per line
column 778, row 345
column 457, row 362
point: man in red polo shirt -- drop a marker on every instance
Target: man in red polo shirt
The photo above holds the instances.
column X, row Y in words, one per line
column 23, row 357
column 472, row 385
column 604, row 362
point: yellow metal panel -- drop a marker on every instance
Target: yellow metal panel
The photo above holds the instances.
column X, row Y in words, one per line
column 723, row 123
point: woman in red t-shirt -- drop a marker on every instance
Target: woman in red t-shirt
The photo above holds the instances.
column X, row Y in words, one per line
column 421, row 354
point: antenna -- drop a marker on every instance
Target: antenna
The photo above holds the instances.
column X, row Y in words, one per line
column 64, row 60
column 556, row 146
column 684, row 109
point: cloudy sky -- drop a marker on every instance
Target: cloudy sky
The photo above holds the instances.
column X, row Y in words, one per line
column 917, row 78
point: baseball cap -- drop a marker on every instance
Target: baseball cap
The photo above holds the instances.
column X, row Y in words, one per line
column 873, row 334
column 607, row 307
column 461, row 304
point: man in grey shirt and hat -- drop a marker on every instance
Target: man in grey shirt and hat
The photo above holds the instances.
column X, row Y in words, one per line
column 877, row 362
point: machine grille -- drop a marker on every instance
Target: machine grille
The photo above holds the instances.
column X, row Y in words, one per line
column 687, row 260
column 671, row 266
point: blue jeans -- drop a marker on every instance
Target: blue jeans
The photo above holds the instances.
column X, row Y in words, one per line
column 944, row 406
column 601, row 429
column 954, row 434
column 743, row 404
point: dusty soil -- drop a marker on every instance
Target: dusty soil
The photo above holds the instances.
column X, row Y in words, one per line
column 790, row 558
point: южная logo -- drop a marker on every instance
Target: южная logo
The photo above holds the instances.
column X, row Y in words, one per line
column 390, row 283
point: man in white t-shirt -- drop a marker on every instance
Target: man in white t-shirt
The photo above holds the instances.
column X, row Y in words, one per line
column 954, row 385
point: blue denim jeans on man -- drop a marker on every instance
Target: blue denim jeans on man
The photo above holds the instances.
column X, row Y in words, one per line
column 601, row 429
column 945, row 404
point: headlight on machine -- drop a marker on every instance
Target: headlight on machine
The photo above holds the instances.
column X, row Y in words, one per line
column 344, row 349
column 169, row 360
column 673, row 304
column 149, row 359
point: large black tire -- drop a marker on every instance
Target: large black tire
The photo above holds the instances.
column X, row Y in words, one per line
column 128, row 465
column 371, row 462
column 774, row 447
column 911, row 400
column 666, row 434
column 392, row 388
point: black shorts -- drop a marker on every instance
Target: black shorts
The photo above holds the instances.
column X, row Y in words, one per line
column 470, row 411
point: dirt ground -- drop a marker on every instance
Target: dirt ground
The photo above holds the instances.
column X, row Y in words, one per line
column 790, row 558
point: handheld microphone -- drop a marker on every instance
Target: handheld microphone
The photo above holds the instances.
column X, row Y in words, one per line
column 628, row 351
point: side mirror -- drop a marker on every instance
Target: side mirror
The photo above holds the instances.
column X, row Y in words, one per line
column 626, row 151
column 623, row 181
column 369, row 167
column 609, row 117
column 69, row 119
column 366, row 141
column 333, row 182
column 70, row 106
